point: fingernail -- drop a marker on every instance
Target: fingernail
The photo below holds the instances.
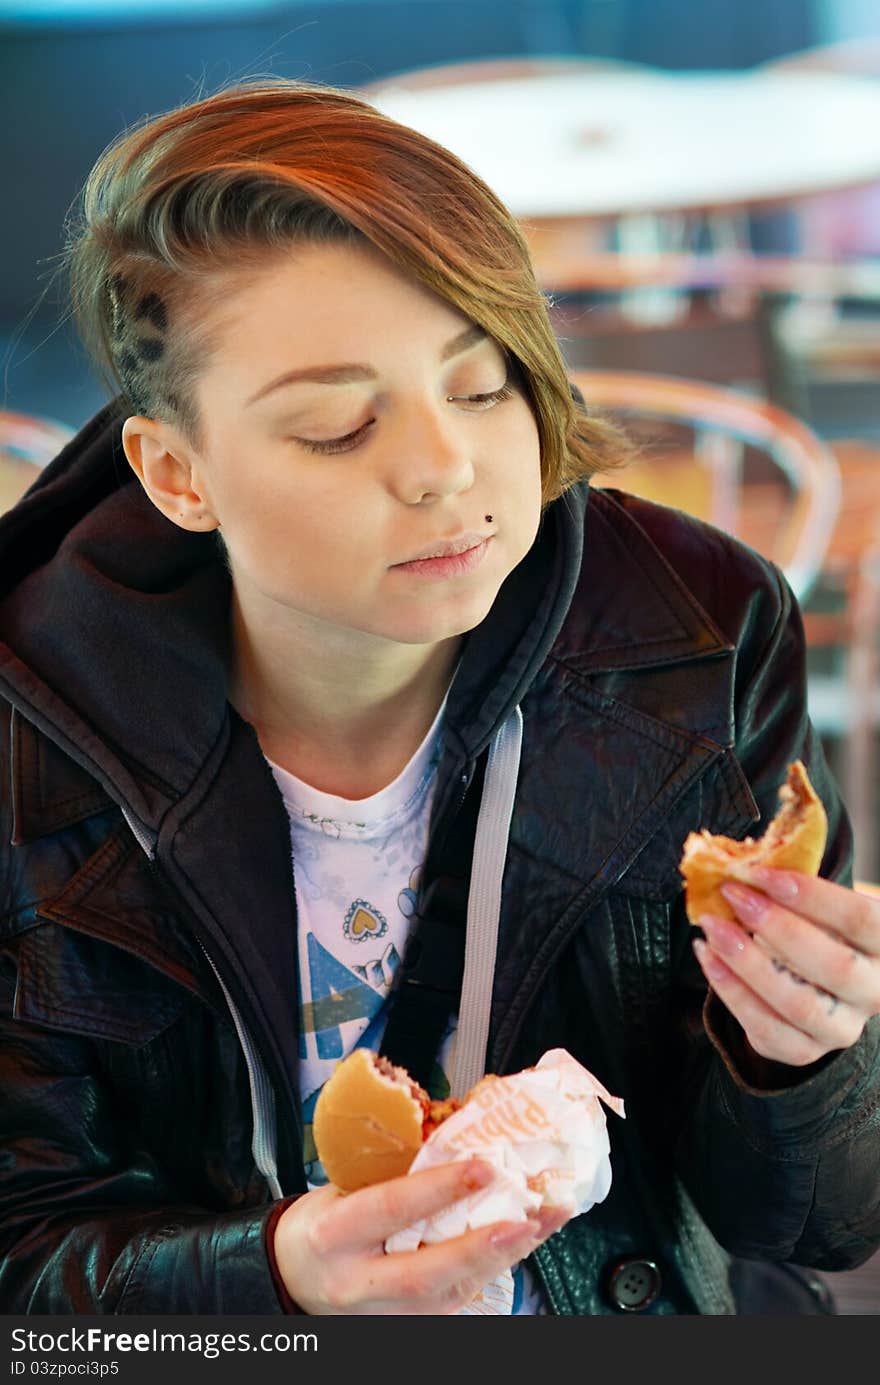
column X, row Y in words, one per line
column 551, row 1222
column 518, row 1234
column 724, row 936
column 744, row 900
column 477, row 1175
column 712, row 965
column 779, row 884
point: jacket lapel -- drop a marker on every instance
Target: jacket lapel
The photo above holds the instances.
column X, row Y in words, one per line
column 50, row 793
column 631, row 610
column 240, row 901
column 75, row 982
column 241, row 898
column 639, row 678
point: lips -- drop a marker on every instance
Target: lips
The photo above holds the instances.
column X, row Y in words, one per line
column 447, row 548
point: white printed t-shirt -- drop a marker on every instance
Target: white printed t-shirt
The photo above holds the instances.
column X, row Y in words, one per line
column 356, row 868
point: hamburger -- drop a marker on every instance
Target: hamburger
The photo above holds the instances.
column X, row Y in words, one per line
column 371, row 1119
column 794, row 840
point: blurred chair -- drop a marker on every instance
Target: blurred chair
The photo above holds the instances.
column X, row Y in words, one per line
column 27, row 444
column 761, row 474
column 842, row 621
column 708, row 477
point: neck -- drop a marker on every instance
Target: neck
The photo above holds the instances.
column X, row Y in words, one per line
column 342, row 710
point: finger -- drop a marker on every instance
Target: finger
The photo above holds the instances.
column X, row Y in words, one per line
column 551, row 1219
column 444, row 1277
column 766, row 1031
column 784, row 1017
column 826, row 960
column 368, row 1217
column 835, row 908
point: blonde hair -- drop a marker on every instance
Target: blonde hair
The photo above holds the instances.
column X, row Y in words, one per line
column 209, row 189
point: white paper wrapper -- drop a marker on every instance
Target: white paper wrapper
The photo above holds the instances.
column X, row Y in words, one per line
column 544, row 1132
column 495, row 1299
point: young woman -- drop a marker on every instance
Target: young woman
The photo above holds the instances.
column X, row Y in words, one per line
column 326, row 579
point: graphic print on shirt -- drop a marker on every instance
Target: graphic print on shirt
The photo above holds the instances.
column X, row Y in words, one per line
column 380, row 973
column 364, row 921
column 338, row 996
column 409, row 898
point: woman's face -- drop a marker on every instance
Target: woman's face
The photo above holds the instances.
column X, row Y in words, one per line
column 353, row 422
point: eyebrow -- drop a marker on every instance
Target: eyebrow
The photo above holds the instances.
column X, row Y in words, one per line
column 350, row 373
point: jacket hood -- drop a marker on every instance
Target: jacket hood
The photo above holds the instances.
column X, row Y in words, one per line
column 105, row 606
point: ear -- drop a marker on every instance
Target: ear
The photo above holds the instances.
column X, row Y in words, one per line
column 170, row 473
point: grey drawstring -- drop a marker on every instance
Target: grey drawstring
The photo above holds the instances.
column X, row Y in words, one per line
column 484, row 904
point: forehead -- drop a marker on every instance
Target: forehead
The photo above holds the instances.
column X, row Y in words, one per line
column 315, row 297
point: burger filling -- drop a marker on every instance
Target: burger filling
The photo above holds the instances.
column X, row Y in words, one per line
column 401, row 1078
column 434, row 1113
column 794, row 796
column 439, row 1112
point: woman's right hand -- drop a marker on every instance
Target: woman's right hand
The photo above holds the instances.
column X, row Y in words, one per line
column 329, row 1246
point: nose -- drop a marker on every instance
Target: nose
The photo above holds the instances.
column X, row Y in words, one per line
column 431, row 458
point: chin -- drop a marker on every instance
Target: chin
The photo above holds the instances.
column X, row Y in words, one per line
column 443, row 621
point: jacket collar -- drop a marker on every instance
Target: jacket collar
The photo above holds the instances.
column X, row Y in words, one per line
column 596, row 592
column 633, row 610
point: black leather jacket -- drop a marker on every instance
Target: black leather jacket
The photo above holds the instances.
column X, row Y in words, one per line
column 659, row 669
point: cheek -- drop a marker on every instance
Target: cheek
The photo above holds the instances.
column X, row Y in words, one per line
column 517, row 463
column 526, row 437
column 294, row 532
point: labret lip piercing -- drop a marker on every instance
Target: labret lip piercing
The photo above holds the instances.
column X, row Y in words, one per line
column 488, row 519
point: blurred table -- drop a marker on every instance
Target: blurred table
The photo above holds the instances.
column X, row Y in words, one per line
column 27, row 444
column 617, row 143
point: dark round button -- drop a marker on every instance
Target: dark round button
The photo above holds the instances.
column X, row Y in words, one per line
column 634, row 1283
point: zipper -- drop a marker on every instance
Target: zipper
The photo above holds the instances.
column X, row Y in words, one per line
column 139, row 832
column 264, row 1141
column 450, row 814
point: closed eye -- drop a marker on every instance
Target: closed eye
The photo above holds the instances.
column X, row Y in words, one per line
column 485, row 400
column 343, row 444
column 349, row 441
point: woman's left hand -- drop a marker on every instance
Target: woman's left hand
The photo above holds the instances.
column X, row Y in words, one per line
column 801, row 969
